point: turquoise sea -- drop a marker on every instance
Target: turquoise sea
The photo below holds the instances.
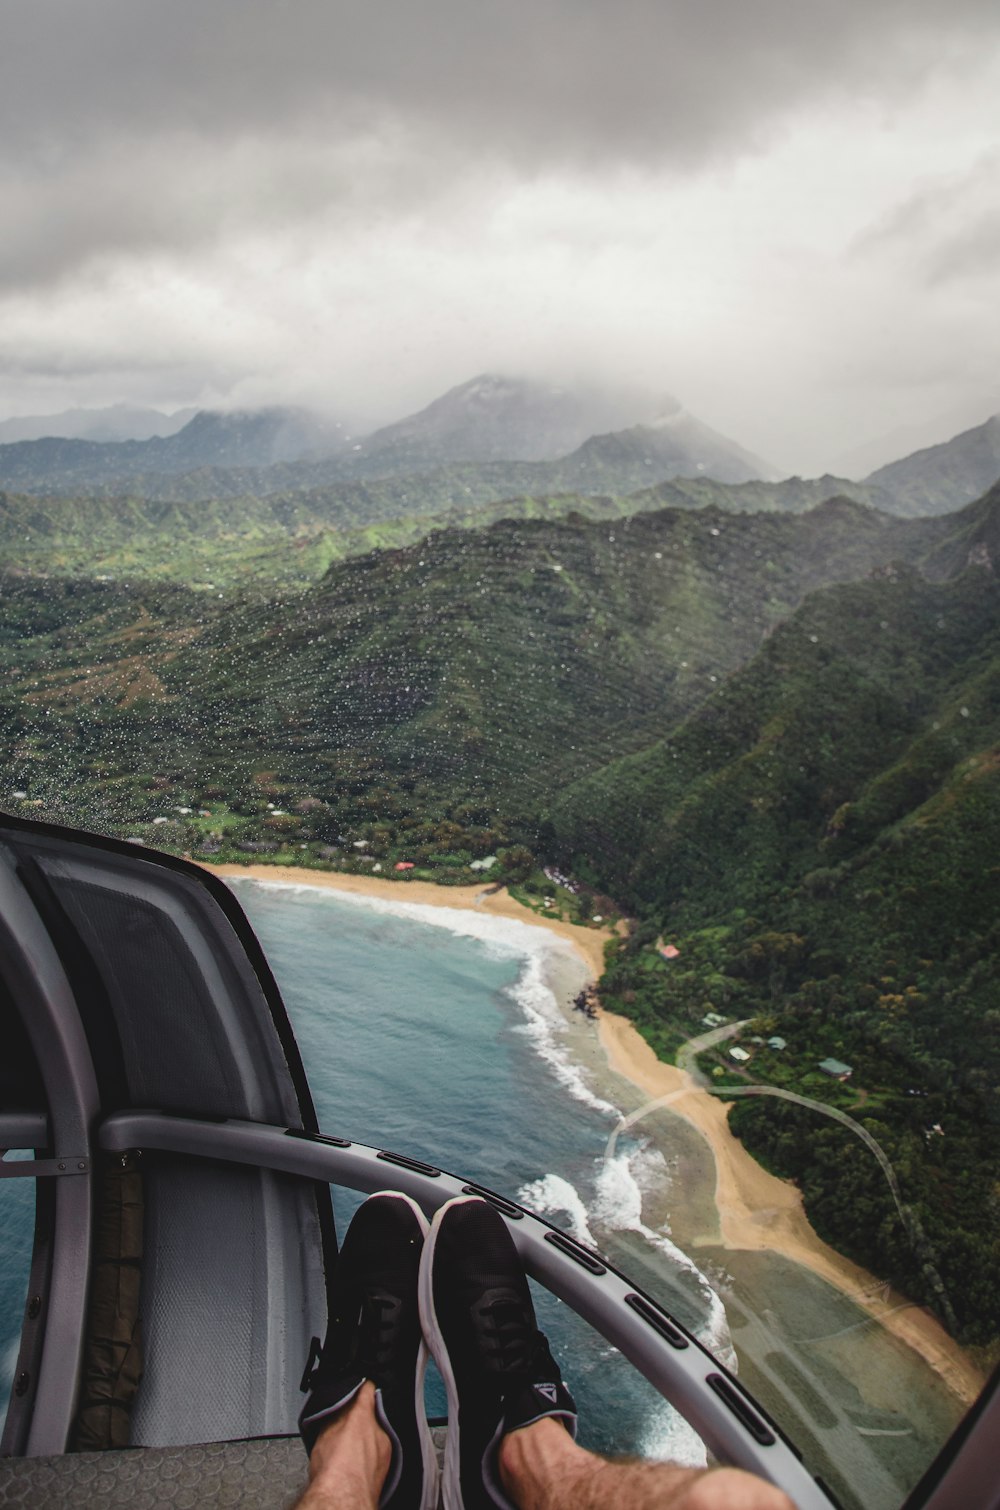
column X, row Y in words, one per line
column 447, row 1034
column 436, row 1032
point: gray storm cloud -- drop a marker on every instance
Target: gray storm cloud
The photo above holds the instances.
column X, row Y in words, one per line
column 950, row 227
column 638, row 78
column 130, row 127
column 541, row 82
column 408, row 190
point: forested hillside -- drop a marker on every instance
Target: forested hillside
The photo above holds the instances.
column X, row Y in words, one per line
column 943, row 477
column 495, row 664
column 820, row 841
column 771, row 737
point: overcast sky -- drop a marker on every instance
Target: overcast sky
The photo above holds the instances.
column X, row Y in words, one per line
column 785, row 212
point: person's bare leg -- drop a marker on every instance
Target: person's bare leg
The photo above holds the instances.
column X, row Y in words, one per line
column 348, row 1465
column 542, row 1468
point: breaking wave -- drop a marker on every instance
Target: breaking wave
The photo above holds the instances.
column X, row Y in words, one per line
column 617, row 1207
column 545, row 1026
column 540, row 951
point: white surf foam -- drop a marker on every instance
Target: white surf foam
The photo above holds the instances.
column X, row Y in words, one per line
column 545, row 1027
column 506, row 937
column 668, row 1438
column 543, row 1023
column 618, row 1208
column 552, row 1195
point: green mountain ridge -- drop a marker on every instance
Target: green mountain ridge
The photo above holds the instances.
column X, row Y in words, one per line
column 820, row 839
column 294, row 536
column 772, row 735
column 505, row 639
column 940, row 478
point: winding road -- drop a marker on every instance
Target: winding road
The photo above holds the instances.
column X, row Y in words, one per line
column 687, row 1057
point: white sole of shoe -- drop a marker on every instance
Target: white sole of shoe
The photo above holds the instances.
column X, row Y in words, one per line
column 429, row 1497
column 451, row 1481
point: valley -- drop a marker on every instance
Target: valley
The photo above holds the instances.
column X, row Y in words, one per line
column 758, row 719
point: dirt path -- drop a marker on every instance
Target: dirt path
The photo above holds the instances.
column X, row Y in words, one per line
column 757, row 1211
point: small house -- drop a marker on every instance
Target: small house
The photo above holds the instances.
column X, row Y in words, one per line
column 836, row 1069
column 740, row 1055
column 776, row 1043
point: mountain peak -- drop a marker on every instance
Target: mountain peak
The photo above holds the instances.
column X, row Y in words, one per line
column 942, row 478
column 257, row 437
column 498, row 417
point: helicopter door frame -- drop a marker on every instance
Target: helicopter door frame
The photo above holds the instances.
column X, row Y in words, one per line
column 50, row 1356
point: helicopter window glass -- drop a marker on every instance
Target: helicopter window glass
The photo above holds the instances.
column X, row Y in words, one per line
column 17, row 1219
column 546, row 458
column 20, row 1090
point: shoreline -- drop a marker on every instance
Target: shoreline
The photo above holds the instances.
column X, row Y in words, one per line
column 760, row 1212
column 757, row 1211
column 484, row 898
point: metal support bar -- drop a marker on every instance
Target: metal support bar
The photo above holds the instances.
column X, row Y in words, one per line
column 15, row 1169
column 24, row 1130
column 728, row 1420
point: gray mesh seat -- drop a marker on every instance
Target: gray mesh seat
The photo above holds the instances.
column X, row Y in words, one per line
column 131, row 982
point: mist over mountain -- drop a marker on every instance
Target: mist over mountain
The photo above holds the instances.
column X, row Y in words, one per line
column 242, row 438
column 499, row 418
column 489, row 439
column 860, row 460
column 943, row 477
column 117, row 422
column 677, row 445
column 488, row 422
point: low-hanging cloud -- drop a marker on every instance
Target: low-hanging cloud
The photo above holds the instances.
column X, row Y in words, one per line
column 546, row 82
column 130, row 127
column 254, row 199
column 949, row 228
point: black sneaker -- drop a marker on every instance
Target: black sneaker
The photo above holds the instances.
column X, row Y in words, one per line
column 374, row 1333
column 479, row 1322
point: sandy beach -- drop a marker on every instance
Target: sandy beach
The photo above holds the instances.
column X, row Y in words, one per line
column 757, row 1211
column 589, row 942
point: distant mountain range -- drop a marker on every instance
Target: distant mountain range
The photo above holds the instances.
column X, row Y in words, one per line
column 487, row 421
column 772, row 735
column 495, row 418
column 944, row 477
column 490, row 441
column 118, row 422
column 253, row 438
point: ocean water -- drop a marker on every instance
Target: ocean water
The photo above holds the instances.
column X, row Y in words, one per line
column 17, row 1216
column 439, row 1032
column 447, row 1034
